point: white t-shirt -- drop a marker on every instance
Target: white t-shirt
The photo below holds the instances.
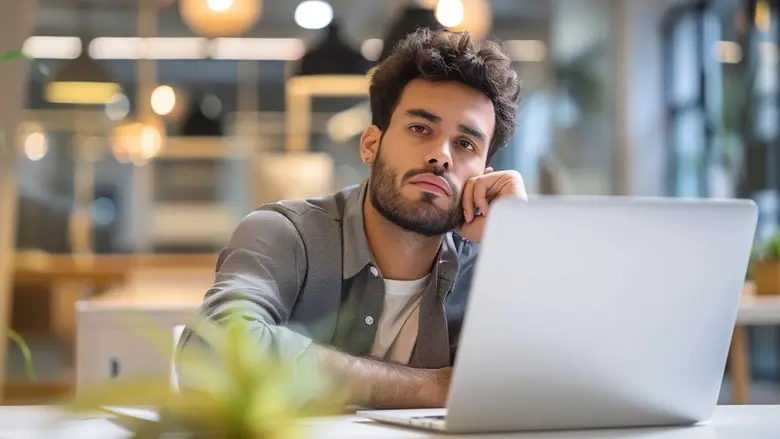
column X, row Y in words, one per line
column 397, row 329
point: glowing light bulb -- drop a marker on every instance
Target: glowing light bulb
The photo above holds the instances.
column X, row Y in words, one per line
column 163, row 100
column 449, row 12
column 313, row 14
column 219, row 5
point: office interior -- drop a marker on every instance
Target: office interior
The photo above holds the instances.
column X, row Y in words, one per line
column 138, row 133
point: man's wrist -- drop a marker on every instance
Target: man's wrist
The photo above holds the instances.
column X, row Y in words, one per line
column 435, row 389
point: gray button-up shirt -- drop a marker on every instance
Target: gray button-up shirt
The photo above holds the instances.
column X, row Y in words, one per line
column 266, row 266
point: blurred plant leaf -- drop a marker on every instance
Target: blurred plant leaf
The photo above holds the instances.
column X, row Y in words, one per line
column 768, row 250
column 579, row 78
column 13, row 55
column 28, row 360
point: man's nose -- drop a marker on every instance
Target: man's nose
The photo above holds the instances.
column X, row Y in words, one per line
column 441, row 155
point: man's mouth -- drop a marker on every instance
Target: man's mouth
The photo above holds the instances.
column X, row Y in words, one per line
column 432, row 183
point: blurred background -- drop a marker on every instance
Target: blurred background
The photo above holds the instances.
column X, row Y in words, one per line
column 151, row 127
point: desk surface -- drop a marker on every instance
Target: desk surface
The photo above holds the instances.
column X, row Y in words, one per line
column 729, row 422
column 759, row 310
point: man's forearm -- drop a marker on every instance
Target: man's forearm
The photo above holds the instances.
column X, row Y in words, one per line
column 376, row 384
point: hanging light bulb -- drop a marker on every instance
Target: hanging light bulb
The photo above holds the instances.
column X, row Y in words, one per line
column 313, row 14
column 219, row 5
column 474, row 16
column 220, row 18
column 36, row 146
column 163, row 100
column 449, row 12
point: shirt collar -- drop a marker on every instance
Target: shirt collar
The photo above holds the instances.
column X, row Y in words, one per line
column 357, row 253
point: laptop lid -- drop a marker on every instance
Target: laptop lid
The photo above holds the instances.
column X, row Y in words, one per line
column 600, row 312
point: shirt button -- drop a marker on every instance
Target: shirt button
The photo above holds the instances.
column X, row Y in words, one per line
column 374, row 271
column 369, row 320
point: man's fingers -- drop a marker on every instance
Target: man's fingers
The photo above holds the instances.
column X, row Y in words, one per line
column 480, row 195
column 468, row 200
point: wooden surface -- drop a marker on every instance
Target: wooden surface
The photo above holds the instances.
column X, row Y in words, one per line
column 17, row 22
column 29, row 393
column 99, row 270
column 70, row 278
column 754, row 310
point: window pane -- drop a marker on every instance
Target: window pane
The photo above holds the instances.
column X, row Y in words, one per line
column 686, row 62
column 767, row 66
column 765, row 122
column 689, row 138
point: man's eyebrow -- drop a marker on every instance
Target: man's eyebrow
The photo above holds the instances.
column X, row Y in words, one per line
column 465, row 129
column 423, row 114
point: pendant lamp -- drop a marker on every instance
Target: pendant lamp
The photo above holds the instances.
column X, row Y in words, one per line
column 198, row 124
column 332, row 56
column 330, row 68
column 82, row 81
column 411, row 18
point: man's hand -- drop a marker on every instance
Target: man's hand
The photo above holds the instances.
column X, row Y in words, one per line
column 480, row 191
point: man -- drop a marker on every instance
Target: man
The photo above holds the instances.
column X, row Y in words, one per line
column 373, row 281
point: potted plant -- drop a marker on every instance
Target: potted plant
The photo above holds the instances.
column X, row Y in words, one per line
column 765, row 266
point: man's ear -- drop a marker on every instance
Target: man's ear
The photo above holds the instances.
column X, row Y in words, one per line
column 369, row 144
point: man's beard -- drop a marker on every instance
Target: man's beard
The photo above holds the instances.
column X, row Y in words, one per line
column 423, row 217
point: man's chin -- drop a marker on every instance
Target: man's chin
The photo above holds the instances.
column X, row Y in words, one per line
column 443, row 202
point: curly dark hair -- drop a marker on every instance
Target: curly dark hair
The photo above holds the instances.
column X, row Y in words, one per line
column 443, row 55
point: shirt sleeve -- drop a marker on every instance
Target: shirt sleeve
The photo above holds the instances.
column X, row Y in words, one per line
column 258, row 277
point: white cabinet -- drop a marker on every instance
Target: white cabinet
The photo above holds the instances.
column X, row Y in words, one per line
column 109, row 343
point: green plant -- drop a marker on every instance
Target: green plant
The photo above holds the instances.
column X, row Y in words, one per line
column 768, row 250
column 28, row 361
column 580, row 80
column 13, row 55
column 236, row 390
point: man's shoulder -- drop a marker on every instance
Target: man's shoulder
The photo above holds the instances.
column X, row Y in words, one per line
column 330, row 206
column 286, row 223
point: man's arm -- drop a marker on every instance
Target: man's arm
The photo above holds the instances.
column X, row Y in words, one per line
column 380, row 385
column 258, row 277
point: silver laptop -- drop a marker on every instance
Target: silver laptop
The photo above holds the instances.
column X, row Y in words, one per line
column 596, row 312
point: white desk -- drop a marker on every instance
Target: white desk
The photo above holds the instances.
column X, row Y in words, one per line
column 729, row 422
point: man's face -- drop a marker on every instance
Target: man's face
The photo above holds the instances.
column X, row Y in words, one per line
column 437, row 139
